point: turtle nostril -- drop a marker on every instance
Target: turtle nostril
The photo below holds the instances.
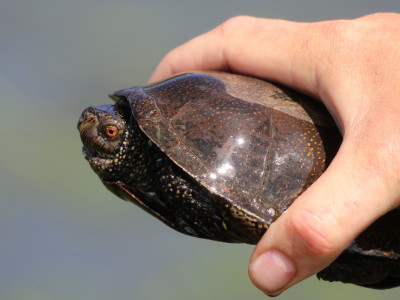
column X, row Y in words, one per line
column 88, row 116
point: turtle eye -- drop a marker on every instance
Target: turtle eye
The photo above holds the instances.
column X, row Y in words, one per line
column 111, row 131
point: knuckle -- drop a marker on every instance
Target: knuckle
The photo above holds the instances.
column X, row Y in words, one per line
column 168, row 61
column 311, row 234
column 232, row 25
column 333, row 33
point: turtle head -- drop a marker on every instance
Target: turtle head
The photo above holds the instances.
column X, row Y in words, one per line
column 104, row 133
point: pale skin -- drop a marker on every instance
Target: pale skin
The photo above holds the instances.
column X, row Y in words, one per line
column 353, row 67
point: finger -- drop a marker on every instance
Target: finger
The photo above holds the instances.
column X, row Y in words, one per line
column 277, row 50
column 322, row 222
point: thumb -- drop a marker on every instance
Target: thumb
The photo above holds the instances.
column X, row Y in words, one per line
column 321, row 223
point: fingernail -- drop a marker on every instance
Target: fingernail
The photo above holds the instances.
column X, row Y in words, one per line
column 271, row 271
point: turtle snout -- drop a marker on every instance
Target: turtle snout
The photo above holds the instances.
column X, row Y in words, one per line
column 87, row 118
column 87, row 126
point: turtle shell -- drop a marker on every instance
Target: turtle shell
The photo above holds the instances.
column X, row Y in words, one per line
column 242, row 138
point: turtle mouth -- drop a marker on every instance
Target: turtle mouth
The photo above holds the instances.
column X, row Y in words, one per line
column 98, row 161
column 92, row 154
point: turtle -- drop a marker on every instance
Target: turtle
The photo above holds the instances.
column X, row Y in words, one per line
column 221, row 156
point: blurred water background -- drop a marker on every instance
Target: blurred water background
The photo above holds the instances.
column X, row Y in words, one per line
column 62, row 235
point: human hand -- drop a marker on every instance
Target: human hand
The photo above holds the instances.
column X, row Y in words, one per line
column 353, row 67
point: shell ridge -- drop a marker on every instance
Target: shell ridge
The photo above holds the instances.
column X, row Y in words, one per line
column 155, row 104
column 268, row 156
